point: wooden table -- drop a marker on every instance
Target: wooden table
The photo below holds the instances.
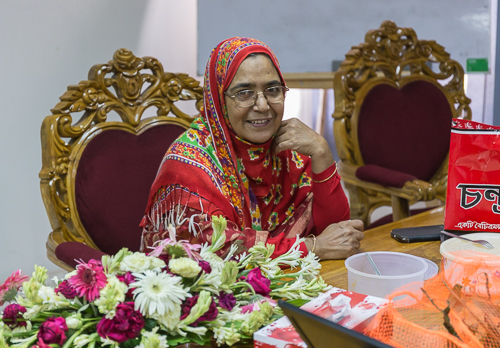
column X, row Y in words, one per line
column 379, row 239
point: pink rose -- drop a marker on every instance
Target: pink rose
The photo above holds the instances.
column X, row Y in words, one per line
column 205, row 266
column 209, row 315
column 13, row 312
column 66, row 290
column 126, row 324
column 53, row 331
column 259, row 283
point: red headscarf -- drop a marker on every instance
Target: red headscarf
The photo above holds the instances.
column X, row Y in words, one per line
column 224, row 174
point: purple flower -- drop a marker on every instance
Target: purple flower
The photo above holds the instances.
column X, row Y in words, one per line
column 227, row 301
column 259, row 283
column 66, row 290
column 13, row 312
column 209, row 315
column 205, row 266
column 53, row 331
column 126, row 324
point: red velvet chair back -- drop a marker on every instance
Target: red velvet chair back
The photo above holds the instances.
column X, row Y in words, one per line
column 97, row 173
column 113, row 180
column 407, row 129
column 395, row 97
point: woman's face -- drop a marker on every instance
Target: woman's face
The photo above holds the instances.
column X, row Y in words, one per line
column 257, row 123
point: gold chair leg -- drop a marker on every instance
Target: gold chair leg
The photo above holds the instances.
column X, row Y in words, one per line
column 400, row 208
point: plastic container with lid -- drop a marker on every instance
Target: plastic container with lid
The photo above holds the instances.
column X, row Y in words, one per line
column 471, row 266
column 397, row 269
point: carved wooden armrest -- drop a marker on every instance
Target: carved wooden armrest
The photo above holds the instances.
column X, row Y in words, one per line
column 416, row 190
column 420, row 190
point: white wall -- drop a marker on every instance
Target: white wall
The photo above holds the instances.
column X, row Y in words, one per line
column 44, row 47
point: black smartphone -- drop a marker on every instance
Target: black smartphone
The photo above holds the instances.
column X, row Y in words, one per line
column 417, row 234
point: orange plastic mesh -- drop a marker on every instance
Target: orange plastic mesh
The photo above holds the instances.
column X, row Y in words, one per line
column 460, row 307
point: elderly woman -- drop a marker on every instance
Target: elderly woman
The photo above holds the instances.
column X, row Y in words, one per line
column 271, row 179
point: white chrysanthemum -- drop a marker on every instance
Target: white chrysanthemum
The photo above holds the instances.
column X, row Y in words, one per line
column 110, row 296
column 185, row 267
column 157, row 293
column 153, row 340
column 140, row 262
column 170, row 319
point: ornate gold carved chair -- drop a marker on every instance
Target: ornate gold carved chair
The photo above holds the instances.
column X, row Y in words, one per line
column 392, row 120
column 96, row 173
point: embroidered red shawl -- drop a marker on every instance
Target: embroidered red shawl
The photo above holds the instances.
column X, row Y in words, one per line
column 210, row 169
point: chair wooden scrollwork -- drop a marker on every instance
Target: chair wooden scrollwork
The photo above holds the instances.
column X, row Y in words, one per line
column 96, row 173
column 395, row 97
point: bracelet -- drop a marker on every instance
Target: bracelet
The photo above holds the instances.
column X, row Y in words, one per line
column 320, row 181
column 314, row 241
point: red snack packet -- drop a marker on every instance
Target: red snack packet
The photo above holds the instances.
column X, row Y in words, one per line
column 473, row 193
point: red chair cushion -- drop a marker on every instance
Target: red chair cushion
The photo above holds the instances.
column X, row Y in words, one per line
column 71, row 252
column 383, row 176
column 113, row 180
column 407, row 130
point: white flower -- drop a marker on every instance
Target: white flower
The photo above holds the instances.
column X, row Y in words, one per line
column 153, row 340
column 70, row 274
column 32, row 311
column 157, row 264
column 210, row 282
column 74, row 321
column 226, row 335
column 49, row 297
column 170, row 319
column 157, row 292
column 84, row 339
column 185, row 267
column 110, row 296
column 216, row 263
column 140, row 262
column 108, row 342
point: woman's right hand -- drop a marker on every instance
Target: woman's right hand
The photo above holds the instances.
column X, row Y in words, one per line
column 340, row 240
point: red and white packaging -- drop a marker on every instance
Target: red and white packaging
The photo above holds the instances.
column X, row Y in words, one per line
column 349, row 309
column 473, row 194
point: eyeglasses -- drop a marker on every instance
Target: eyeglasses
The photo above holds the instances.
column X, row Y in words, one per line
column 247, row 97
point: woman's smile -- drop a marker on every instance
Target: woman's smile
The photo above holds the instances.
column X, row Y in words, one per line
column 259, row 122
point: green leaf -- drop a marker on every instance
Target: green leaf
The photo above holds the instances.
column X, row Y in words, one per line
column 177, row 340
column 297, row 302
column 201, row 340
column 149, row 324
column 131, row 343
column 83, row 308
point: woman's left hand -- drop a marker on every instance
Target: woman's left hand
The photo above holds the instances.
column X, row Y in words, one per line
column 295, row 135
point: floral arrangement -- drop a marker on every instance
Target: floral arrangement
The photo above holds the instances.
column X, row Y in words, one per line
column 178, row 293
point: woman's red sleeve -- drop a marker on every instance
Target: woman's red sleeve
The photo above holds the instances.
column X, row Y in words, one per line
column 330, row 203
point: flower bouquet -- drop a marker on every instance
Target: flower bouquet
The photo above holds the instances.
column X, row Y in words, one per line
column 179, row 293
